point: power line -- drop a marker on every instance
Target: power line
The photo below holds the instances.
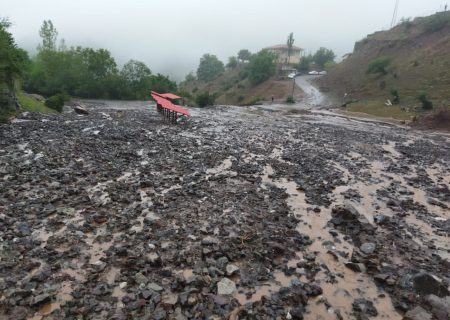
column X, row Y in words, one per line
column 394, row 16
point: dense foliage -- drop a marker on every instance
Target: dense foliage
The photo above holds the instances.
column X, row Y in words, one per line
column 322, row 59
column 210, row 67
column 13, row 62
column 244, row 55
column 88, row 73
column 204, row 99
column 261, row 67
column 322, row 56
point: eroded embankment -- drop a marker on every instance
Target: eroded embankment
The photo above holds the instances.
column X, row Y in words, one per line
column 117, row 215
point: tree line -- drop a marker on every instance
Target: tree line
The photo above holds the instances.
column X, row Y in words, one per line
column 75, row 71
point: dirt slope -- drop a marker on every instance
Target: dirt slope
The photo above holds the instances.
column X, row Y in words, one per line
column 419, row 57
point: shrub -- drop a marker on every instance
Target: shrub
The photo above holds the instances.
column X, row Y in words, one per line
column 396, row 98
column 426, row 104
column 378, row 65
column 204, row 99
column 290, row 99
column 436, row 22
column 55, row 102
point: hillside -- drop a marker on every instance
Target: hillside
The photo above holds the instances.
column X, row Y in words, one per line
column 418, row 60
column 233, row 88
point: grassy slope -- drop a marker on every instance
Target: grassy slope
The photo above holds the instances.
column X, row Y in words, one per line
column 419, row 61
column 28, row 103
column 231, row 89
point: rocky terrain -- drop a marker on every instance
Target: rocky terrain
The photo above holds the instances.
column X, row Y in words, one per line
column 235, row 214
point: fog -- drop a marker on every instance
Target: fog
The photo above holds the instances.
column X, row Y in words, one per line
column 170, row 36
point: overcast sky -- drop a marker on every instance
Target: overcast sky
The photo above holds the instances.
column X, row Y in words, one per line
column 171, row 35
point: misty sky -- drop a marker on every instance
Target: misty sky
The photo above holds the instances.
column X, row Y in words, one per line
column 171, row 35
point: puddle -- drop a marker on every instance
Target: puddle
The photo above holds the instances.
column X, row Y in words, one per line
column 265, row 289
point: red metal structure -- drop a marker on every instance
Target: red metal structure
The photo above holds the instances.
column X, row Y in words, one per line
column 169, row 110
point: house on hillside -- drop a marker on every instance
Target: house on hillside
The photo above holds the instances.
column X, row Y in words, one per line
column 281, row 51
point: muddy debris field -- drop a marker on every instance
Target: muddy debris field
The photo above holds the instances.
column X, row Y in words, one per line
column 234, row 215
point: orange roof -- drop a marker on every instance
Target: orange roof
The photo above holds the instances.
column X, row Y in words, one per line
column 169, row 105
column 170, row 96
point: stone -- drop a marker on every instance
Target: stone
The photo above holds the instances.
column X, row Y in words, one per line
column 418, row 313
column 357, row 267
column 425, row 283
column 368, row 247
column 154, row 259
column 155, row 287
column 40, row 299
column 440, row 307
column 297, row 313
column 365, row 307
column 80, row 110
column 140, row 278
column 231, row 269
column 169, row 299
column 226, row 287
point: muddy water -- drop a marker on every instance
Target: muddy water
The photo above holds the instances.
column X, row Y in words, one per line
column 352, row 285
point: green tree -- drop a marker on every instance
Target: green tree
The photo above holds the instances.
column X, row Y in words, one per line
column 305, row 62
column 161, row 83
column 232, row 62
column 244, row 55
column 12, row 65
column 290, row 44
column 49, row 36
column 136, row 79
column 261, row 67
column 322, row 56
column 209, row 68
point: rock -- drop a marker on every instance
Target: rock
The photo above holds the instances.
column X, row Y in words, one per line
column 357, row 267
column 297, row 313
column 333, row 232
column 221, row 300
column 226, row 286
column 40, row 299
column 80, row 110
column 425, row 283
column 380, row 219
column 169, row 299
column 418, row 313
column 140, row 278
column 440, row 307
column 155, row 287
column 154, row 259
column 222, row 262
column 368, row 247
column 365, row 307
column 346, row 212
column 98, row 266
column 231, row 269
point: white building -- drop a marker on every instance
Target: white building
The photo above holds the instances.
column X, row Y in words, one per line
column 281, row 51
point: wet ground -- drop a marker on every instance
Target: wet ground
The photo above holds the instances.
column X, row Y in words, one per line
column 240, row 213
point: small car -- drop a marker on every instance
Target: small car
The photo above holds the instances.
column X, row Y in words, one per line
column 313, row 72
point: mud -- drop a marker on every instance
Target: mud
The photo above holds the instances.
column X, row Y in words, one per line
column 116, row 215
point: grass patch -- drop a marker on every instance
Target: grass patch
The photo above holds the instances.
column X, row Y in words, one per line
column 378, row 109
column 32, row 105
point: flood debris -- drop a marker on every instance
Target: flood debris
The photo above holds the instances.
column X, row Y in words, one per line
column 235, row 215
